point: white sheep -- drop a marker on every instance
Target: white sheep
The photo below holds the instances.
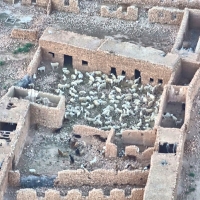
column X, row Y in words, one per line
column 41, row 69
column 54, row 65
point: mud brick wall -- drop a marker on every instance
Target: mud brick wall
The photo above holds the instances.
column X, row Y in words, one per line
column 183, row 30
column 35, row 62
column 7, row 165
column 165, row 15
column 26, row 2
column 72, row 7
column 139, row 137
column 25, row 34
column 144, row 156
column 38, row 2
column 131, row 14
column 84, row 130
column 20, row 137
column 95, row 194
column 48, row 116
column 101, row 177
column 166, row 3
column 111, row 148
column 14, row 178
column 103, row 61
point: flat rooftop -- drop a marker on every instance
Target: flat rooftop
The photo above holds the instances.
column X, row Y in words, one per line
column 170, row 135
column 71, row 38
column 18, row 110
column 124, row 49
column 162, row 177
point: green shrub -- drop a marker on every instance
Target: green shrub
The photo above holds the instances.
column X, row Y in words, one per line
column 24, row 49
column 2, row 63
column 191, row 174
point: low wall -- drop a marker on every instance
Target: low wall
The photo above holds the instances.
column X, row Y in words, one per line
column 35, row 62
column 84, row 130
column 131, row 14
column 139, row 137
column 182, row 31
column 72, row 6
column 48, row 116
column 25, row 34
column 95, row 194
column 132, row 150
column 165, row 15
column 166, row 3
column 101, row 177
column 111, row 148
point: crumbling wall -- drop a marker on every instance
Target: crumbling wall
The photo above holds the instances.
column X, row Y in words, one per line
column 115, row 194
column 139, row 137
column 71, row 6
column 183, row 30
column 14, row 178
column 48, row 116
column 35, row 62
column 25, row 34
column 165, row 15
column 101, row 177
column 84, row 130
column 131, row 14
column 111, row 148
column 133, row 150
column 38, row 2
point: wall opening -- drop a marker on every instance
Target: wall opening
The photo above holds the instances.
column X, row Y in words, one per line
column 33, row 1
column 68, row 60
column 173, row 16
column 84, row 63
column 113, row 71
column 151, row 80
column 137, row 74
column 7, row 126
column 52, row 54
column 183, row 106
column 123, row 73
column 167, row 148
column 160, row 81
column 66, row 2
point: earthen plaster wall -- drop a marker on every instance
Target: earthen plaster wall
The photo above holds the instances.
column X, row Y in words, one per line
column 95, row 194
column 25, row 34
column 84, row 130
column 48, row 116
column 165, row 15
column 72, row 7
column 166, row 3
column 101, row 177
column 139, row 137
column 131, row 14
column 111, row 148
column 183, row 31
column 35, row 62
column 100, row 60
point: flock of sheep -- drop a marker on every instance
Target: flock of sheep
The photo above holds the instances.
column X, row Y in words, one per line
column 108, row 101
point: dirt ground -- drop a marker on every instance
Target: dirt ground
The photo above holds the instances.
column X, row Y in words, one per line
column 41, row 153
column 189, row 183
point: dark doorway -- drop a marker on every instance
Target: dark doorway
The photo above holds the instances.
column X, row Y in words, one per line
column 7, row 126
column 84, row 62
column 66, row 2
column 151, row 80
column 137, row 74
column 167, row 148
column 113, row 71
column 160, row 81
column 68, row 60
column 33, row 1
column 123, row 73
